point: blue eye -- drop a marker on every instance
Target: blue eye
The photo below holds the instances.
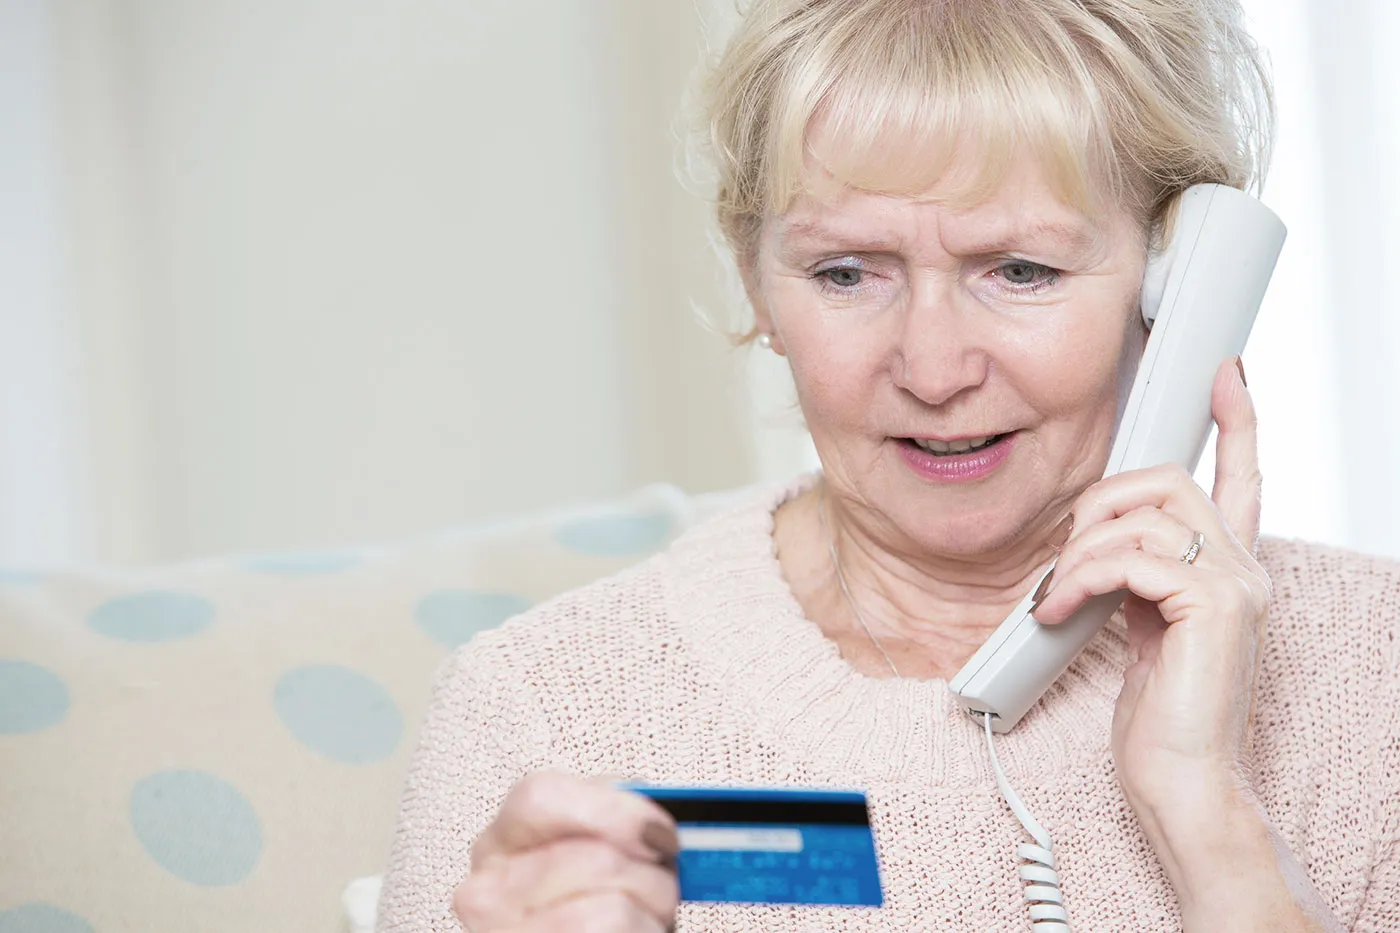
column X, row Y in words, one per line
column 843, row 276
column 1020, row 273
column 1027, row 276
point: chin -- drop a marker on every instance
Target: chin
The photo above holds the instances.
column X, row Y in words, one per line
column 973, row 544
column 968, row 535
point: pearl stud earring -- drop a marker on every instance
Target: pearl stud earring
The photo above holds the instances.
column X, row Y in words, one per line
column 765, row 341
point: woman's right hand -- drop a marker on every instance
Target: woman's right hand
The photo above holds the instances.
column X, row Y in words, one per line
column 567, row 853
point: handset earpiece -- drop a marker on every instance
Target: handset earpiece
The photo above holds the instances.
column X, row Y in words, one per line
column 1154, row 282
column 1161, row 256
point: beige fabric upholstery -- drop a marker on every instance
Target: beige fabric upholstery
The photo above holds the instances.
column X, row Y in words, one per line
column 220, row 746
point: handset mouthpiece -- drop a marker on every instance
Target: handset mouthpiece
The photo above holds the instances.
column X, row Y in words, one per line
column 1014, row 668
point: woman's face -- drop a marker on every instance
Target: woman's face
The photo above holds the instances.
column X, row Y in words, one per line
column 907, row 321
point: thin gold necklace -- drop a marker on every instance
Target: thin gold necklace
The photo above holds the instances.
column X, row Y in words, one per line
column 841, row 579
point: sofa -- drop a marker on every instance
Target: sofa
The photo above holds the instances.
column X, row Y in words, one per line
column 219, row 745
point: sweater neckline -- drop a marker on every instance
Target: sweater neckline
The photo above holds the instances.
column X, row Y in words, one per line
column 733, row 598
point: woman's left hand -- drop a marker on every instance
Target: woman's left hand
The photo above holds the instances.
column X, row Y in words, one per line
column 1182, row 723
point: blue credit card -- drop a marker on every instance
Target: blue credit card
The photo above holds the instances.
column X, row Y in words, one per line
column 772, row 846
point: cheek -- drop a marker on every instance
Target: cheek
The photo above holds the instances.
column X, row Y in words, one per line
column 835, row 356
column 1077, row 372
column 835, row 378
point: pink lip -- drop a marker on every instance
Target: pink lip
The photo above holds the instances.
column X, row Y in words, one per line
column 949, row 440
column 957, row 468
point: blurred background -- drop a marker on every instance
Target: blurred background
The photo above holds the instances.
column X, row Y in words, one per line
column 297, row 274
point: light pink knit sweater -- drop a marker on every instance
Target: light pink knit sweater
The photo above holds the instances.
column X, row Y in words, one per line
column 699, row 667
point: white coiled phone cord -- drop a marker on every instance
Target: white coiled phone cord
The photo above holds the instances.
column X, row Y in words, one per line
column 1047, row 902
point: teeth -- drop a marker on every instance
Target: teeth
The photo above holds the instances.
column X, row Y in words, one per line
column 955, row 447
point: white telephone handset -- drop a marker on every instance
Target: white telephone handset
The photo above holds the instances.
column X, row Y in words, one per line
column 1200, row 296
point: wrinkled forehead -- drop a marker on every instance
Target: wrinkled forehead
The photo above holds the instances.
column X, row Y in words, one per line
column 961, row 165
column 969, row 206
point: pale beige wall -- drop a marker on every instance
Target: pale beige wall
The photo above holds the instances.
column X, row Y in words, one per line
column 43, row 506
column 355, row 269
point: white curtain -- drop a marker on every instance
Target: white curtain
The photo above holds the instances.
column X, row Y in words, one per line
column 1356, row 100
column 194, row 348
column 1324, row 360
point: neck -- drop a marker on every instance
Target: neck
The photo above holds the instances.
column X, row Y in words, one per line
column 928, row 613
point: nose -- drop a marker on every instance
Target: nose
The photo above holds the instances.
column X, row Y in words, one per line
column 942, row 347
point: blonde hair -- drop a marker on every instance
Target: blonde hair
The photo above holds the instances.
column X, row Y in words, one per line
column 1121, row 101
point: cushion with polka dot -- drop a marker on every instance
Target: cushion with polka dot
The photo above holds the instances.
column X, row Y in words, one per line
column 225, row 741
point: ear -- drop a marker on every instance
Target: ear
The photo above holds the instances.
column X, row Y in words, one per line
column 762, row 318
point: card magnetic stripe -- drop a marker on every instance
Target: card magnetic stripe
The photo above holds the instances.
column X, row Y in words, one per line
column 770, row 811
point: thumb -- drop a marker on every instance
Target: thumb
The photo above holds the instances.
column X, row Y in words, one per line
column 1238, row 482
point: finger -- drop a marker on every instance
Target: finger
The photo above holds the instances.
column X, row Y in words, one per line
column 1238, row 483
column 1144, row 624
column 1175, row 588
column 1146, row 630
column 548, row 805
column 1145, row 528
column 1166, row 486
column 519, row 886
column 607, row 912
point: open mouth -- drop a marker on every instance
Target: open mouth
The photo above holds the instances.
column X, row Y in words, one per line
column 955, row 448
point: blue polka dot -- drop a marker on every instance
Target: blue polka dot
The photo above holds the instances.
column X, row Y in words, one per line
column 18, row 577
column 31, row 698
column 616, row 535
column 343, row 715
column 452, row 617
column 305, row 564
column 196, row 826
column 160, row 615
column 41, row 918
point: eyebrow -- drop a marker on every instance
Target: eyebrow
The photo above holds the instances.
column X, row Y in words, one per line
column 1061, row 234
column 803, row 230
column 1071, row 236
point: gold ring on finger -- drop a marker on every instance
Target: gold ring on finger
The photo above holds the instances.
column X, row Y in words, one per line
column 1190, row 556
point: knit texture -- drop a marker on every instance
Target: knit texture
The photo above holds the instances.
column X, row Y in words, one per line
column 699, row 667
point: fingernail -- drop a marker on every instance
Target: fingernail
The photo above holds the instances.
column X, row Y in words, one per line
column 1062, row 532
column 1239, row 364
column 1041, row 590
column 663, row 839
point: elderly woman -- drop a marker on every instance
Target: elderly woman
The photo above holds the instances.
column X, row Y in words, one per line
column 941, row 212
